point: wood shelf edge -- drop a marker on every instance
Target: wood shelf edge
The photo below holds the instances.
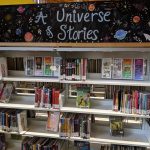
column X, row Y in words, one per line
column 84, row 45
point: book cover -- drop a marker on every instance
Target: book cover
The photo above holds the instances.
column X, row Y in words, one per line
column 56, row 70
column 138, row 69
column 22, row 121
column 117, row 68
column 83, row 97
column 116, row 126
column 3, row 67
column 127, row 68
column 29, row 66
column 39, row 66
column 106, row 68
column 48, row 62
column 6, row 93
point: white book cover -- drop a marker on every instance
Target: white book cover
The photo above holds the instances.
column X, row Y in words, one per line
column 22, row 121
column 117, row 68
column 106, row 68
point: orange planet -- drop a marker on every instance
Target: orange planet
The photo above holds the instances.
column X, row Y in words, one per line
column 136, row 19
column 28, row 37
column 91, row 7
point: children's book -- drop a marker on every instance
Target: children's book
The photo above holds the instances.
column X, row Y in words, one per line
column 117, row 68
column 56, row 67
column 48, row 62
column 3, row 67
column 127, row 69
column 29, row 66
column 83, row 97
column 106, row 68
column 39, row 66
column 138, row 69
column 116, row 126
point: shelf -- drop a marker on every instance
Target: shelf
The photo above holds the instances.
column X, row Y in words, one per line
column 103, row 136
column 97, row 107
column 79, row 45
column 88, row 81
column 110, row 82
column 72, row 49
column 38, row 128
column 31, row 79
column 23, row 102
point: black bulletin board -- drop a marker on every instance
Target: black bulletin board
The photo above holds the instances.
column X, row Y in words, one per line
column 126, row 21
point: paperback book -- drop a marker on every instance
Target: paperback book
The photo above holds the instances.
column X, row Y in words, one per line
column 106, row 68
column 83, row 97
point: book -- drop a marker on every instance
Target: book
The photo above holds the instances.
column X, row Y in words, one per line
column 106, row 68
column 39, row 66
column 48, row 62
column 6, row 93
column 116, row 126
column 22, row 121
column 82, row 145
column 138, row 69
column 53, row 121
column 127, row 68
column 117, row 68
column 83, row 97
column 29, row 66
column 3, row 67
column 56, row 69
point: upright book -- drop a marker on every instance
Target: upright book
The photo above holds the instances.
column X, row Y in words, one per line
column 48, row 62
column 29, row 66
column 127, row 68
column 3, row 67
column 117, row 68
column 138, row 69
column 106, row 68
column 39, row 66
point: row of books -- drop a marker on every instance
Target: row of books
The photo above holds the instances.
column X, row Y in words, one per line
column 94, row 65
column 120, row 147
column 132, row 102
column 47, row 97
column 15, row 63
column 42, row 66
column 13, row 120
column 120, row 68
column 75, row 125
column 6, row 90
column 73, row 69
column 41, row 143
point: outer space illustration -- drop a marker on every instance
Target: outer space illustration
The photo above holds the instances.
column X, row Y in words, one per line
column 120, row 21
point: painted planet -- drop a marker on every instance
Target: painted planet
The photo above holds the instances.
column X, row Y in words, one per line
column 28, row 37
column 91, row 7
column 18, row 31
column 120, row 34
column 8, row 17
column 136, row 19
column 20, row 9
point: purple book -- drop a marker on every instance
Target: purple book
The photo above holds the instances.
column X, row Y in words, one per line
column 138, row 69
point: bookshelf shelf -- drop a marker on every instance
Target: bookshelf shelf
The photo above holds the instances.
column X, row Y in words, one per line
column 31, row 79
column 38, row 128
column 24, row 102
column 88, row 81
column 97, row 107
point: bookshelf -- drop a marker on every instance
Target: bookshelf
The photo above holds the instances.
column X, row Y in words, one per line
column 133, row 137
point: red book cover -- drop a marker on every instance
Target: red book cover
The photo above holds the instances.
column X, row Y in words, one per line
column 57, row 92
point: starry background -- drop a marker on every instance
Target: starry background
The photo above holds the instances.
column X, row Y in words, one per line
column 130, row 22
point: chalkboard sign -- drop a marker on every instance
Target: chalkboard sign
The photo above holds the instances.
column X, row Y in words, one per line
column 125, row 21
